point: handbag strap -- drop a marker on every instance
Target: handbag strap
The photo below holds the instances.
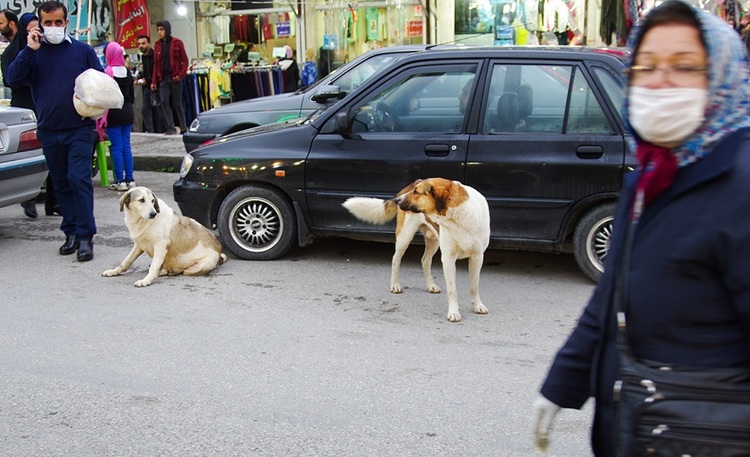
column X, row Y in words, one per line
column 622, row 276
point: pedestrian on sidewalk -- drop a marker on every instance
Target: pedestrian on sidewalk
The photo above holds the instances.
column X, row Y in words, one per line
column 170, row 68
column 119, row 122
column 50, row 64
column 145, row 74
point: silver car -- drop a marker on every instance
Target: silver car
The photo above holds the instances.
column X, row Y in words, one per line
column 22, row 165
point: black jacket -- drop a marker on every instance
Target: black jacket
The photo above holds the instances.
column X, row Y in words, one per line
column 20, row 95
column 123, row 116
column 147, row 71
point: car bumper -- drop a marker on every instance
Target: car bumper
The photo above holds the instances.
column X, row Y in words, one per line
column 195, row 199
column 21, row 180
column 192, row 140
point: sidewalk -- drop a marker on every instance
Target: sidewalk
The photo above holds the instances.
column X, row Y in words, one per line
column 156, row 152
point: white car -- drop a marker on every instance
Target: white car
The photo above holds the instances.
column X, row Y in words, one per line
column 22, row 165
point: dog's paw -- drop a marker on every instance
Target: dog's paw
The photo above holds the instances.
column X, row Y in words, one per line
column 143, row 282
column 112, row 272
column 433, row 289
column 396, row 288
column 454, row 316
column 481, row 309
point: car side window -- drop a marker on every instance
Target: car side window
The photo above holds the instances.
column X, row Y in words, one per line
column 526, row 98
column 585, row 114
column 429, row 101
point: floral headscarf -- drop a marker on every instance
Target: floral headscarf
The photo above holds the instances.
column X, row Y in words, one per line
column 728, row 87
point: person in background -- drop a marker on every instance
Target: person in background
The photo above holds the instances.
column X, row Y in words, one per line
column 50, row 64
column 144, row 80
column 291, row 70
column 119, row 122
column 309, row 72
column 688, row 287
column 21, row 97
column 9, row 31
column 8, row 24
column 170, row 68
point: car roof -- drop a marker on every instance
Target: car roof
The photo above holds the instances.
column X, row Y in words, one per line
column 547, row 52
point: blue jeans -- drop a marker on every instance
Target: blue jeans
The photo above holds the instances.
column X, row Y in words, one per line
column 69, row 154
column 122, row 155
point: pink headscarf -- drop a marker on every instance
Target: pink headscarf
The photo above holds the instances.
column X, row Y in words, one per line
column 114, row 55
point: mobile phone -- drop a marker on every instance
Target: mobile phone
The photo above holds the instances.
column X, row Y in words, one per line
column 37, row 38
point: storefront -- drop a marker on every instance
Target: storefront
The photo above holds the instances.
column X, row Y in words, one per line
column 339, row 31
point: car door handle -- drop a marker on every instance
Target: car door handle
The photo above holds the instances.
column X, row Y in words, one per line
column 589, row 152
column 437, row 150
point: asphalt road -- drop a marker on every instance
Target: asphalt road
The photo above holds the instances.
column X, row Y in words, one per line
column 310, row 355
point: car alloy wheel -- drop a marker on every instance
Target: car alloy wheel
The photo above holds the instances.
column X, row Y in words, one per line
column 592, row 239
column 256, row 223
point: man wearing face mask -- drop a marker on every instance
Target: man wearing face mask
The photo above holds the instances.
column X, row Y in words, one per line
column 676, row 283
column 50, row 64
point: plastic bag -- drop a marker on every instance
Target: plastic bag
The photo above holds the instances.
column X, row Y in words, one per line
column 95, row 92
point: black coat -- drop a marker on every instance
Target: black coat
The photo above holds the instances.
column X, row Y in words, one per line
column 20, row 95
column 689, row 288
column 123, row 116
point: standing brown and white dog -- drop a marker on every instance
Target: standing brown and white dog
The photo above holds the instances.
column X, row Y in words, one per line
column 452, row 216
column 175, row 243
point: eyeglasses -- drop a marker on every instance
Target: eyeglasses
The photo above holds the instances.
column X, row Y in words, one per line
column 680, row 73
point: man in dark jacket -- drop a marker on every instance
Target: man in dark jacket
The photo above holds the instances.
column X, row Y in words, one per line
column 170, row 68
column 144, row 80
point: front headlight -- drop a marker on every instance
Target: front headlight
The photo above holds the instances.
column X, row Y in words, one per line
column 187, row 163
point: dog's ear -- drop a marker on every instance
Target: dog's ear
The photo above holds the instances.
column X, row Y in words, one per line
column 156, row 202
column 441, row 196
column 125, row 201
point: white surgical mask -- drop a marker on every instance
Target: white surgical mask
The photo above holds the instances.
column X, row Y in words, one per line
column 54, row 35
column 666, row 117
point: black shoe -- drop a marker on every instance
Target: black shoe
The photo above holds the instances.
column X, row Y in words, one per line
column 52, row 210
column 85, row 250
column 70, row 246
column 29, row 209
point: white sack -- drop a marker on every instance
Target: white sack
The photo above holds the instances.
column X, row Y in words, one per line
column 94, row 89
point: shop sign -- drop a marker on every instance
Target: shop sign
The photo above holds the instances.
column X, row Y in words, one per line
column 414, row 28
column 131, row 20
column 283, row 29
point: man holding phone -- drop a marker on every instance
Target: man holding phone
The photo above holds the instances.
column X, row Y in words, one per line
column 50, row 64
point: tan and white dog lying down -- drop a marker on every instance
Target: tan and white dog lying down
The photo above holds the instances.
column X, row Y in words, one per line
column 452, row 216
column 175, row 243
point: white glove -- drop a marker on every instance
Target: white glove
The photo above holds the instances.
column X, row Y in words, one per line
column 544, row 413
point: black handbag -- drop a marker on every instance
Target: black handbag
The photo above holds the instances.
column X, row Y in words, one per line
column 674, row 411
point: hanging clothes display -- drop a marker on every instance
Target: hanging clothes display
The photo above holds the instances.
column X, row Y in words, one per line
column 256, row 81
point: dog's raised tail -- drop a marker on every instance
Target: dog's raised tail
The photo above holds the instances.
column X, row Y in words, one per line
column 372, row 210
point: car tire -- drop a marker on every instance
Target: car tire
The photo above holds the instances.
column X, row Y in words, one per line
column 591, row 240
column 257, row 223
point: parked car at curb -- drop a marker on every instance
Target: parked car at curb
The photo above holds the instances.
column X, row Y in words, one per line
column 23, row 168
column 536, row 130
column 246, row 114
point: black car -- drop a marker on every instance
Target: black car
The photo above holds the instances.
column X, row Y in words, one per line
column 246, row 114
column 537, row 132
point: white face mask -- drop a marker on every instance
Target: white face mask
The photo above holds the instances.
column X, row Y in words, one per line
column 666, row 117
column 54, row 35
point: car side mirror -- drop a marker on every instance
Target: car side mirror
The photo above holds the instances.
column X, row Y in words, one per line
column 326, row 93
column 341, row 122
